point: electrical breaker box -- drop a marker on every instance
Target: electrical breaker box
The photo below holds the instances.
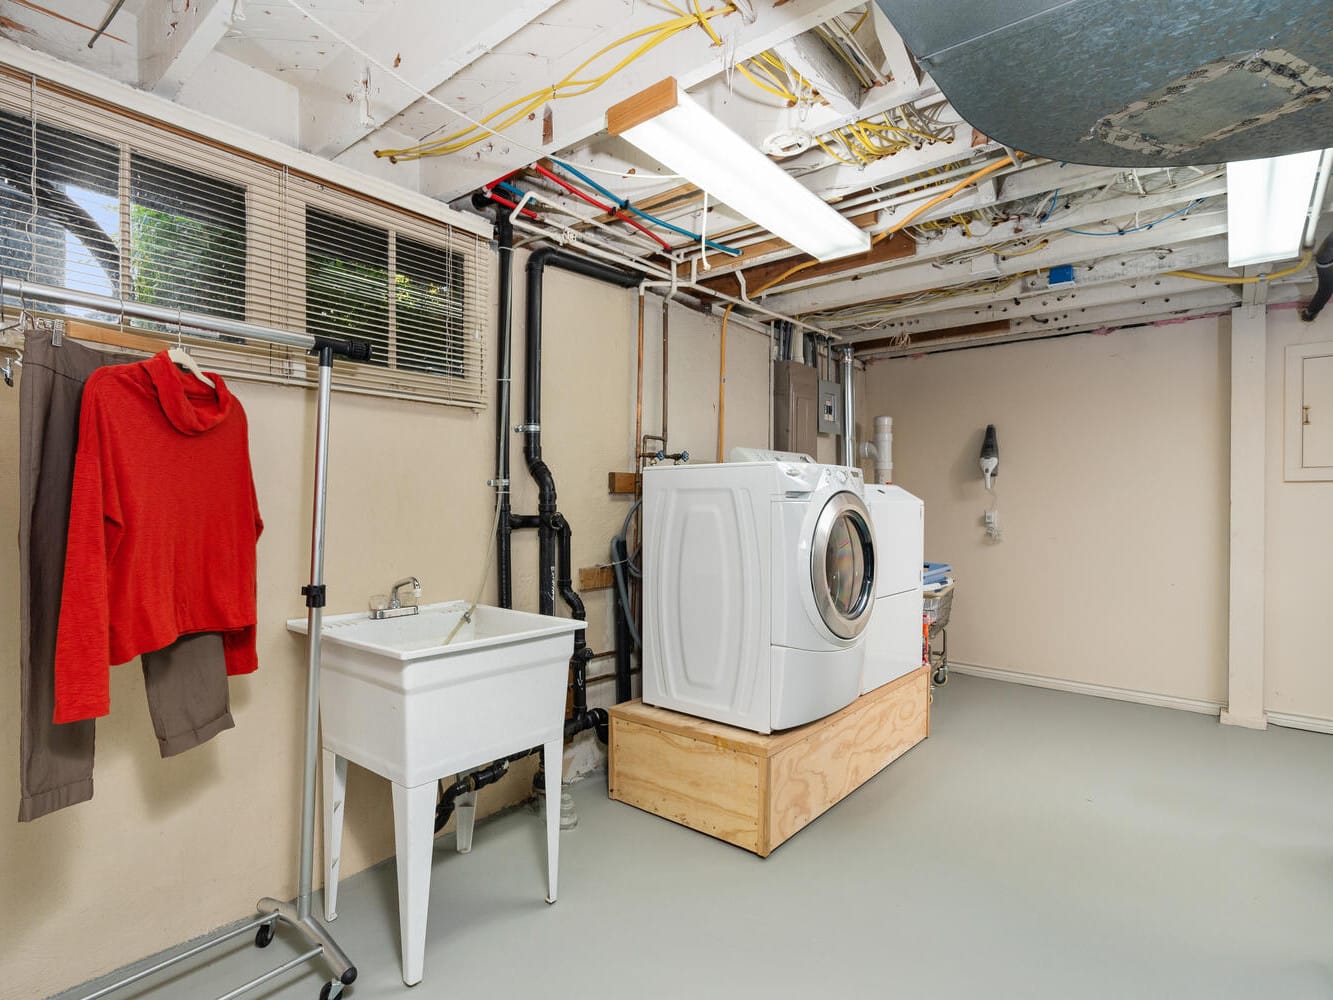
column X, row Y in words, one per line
column 795, row 407
column 830, row 407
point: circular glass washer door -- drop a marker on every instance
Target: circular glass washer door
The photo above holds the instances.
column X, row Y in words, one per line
column 842, row 565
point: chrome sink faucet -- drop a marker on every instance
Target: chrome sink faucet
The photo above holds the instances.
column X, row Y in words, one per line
column 396, row 608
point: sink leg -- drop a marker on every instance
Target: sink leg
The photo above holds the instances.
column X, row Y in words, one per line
column 555, row 755
column 335, row 797
column 466, row 807
column 414, row 835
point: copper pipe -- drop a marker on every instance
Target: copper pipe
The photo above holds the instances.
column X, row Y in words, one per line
column 638, row 405
column 722, row 385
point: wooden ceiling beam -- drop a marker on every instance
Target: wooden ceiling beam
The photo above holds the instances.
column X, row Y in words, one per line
column 896, row 247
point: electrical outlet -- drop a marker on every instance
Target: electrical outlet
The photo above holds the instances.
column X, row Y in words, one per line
column 991, row 520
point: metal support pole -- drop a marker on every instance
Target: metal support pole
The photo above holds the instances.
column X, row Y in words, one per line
column 848, row 409
column 315, row 619
column 299, row 916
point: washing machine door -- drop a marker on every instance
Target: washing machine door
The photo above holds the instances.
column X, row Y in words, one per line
column 842, row 565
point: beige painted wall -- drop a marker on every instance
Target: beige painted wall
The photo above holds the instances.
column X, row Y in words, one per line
column 1112, row 498
column 1298, row 667
column 189, row 844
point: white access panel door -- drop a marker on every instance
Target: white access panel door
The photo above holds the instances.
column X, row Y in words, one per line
column 1317, row 412
column 705, row 602
column 1307, row 413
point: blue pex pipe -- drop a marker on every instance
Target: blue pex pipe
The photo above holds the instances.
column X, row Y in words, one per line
column 626, row 206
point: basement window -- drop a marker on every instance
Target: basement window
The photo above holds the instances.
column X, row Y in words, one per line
column 59, row 213
column 117, row 205
column 187, row 239
column 401, row 294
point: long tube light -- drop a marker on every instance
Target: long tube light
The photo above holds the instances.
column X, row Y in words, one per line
column 1317, row 206
column 677, row 132
column 1267, row 204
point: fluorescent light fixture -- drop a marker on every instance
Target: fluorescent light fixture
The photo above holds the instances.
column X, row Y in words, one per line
column 678, row 133
column 1267, row 204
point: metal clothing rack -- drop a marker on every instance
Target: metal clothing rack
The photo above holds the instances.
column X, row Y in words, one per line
column 271, row 911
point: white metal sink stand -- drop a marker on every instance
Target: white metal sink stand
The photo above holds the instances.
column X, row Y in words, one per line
column 271, row 911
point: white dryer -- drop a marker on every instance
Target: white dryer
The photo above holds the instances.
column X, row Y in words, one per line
column 893, row 639
column 758, row 584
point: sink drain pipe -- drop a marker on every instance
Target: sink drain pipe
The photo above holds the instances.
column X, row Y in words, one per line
column 553, row 530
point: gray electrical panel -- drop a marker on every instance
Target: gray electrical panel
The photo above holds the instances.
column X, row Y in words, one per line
column 830, row 407
column 795, row 407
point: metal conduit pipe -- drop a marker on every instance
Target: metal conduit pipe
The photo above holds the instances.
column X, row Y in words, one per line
column 1323, row 262
column 504, row 240
column 848, row 409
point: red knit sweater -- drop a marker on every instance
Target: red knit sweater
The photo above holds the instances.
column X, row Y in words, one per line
column 162, row 528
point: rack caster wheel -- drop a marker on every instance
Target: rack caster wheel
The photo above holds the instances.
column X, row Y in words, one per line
column 331, row 990
column 940, row 677
column 264, row 936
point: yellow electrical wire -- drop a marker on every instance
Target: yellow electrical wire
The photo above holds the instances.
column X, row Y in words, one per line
column 570, row 86
column 784, row 95
column 1221, row 279
column 901, row 223
column 768, row 57
column 1020, row 253
column 703, row 23
column 824, row 146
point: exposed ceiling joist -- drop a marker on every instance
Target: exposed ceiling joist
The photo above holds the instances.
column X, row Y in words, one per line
column 173, row 43
column 918, row 277
column 1148, row 310
column 832, row 77
column 998, row 308
column 1079, row 215
column 690, row 57
column 351, row 98
column 1067, row 246
column 760, row 275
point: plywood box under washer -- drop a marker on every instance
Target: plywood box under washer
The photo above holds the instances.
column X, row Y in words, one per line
column 752, row 790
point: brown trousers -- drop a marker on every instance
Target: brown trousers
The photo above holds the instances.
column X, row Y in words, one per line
column 186, row 682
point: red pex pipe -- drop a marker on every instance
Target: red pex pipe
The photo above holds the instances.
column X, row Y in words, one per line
column 597, row 204
column 501, row 199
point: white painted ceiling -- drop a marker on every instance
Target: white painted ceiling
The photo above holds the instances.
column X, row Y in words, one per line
column 342, row 78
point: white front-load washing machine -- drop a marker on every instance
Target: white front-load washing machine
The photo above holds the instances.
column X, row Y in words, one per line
column 758, row 582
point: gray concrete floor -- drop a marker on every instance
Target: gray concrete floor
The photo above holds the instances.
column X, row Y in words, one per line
column 1039, row 844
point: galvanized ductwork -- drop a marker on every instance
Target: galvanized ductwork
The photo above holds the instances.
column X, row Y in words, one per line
column 1151, row 83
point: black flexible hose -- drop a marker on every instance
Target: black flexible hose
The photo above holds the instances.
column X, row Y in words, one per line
column 1323, row 262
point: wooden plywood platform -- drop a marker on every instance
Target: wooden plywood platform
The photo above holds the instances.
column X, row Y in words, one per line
column 752, row 790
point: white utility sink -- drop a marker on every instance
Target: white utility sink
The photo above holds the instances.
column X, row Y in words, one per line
column 397, row 700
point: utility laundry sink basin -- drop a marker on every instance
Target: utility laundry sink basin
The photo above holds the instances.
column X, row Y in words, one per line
column 397, row 700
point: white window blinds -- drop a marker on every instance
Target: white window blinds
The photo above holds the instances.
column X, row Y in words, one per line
column 100, row 200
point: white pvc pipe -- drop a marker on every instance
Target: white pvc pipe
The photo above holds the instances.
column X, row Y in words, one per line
column 883, row 449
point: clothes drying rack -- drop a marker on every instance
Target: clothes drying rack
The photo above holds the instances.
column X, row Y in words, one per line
column 270, row 911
